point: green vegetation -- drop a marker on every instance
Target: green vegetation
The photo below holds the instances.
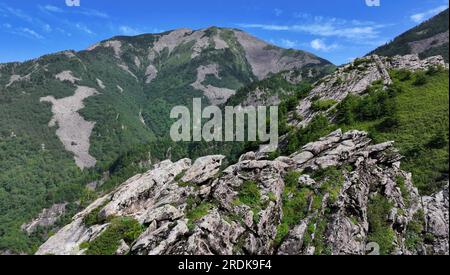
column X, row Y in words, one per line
column 380, row 231
column 415, row 117
column 297, row 199
column 323, row 104
column 317, row 128
column 93, row 217
column 428, row 29
column 414, row 232
column 195, row 213
column 107, row 243
column 250, row 195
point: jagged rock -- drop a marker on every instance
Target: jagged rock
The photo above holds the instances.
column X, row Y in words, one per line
column 163, row 213
column 46, row 218
column 306, row 180
column 293, row 243
column 233, row 222
column 204, row 168
column 436, row 210
column 123, row 248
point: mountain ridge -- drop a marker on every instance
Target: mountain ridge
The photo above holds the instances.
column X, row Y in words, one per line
column 429, row 38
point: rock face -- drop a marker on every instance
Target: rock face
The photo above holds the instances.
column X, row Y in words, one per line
column 46, row 218
column 357, row 76
column 196, row 209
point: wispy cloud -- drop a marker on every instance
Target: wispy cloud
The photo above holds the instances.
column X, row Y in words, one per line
column 287, row 43
column 84, row 28
column 325, row 30
column 419, row 17
column 79, row 11
column 9, row 11
column 92, row 13
column 321, row 45
column 127, row 30
column 31, row 33
column 51, row 8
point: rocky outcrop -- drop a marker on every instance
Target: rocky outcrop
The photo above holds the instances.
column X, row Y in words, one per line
column 46, row 218
column 437, row 222
column 246, row 208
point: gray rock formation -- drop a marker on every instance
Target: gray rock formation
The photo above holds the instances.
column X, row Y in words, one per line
column 46, row 218
column 196, row 209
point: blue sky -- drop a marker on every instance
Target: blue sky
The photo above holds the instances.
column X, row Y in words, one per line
column 335, row 30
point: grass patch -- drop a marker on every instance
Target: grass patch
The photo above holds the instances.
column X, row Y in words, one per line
column 323, row 104
column 422, row 121
column 380, row 231
column 107, row 243
column 93, row 218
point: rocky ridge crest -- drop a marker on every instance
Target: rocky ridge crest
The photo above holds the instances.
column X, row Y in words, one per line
column 167, row 200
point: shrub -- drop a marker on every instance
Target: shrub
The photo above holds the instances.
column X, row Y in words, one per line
column 123, row 228
column 414, row 231
column 403, row 75
column 250, row 195
column 419, row 79
column 323, row 104
column 93, row 218
column 438, row 141
column 388, row 124
column 196, row 213
column 380, row 231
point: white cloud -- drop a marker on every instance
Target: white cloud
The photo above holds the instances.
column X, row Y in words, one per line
column 320, row 45
column 325, row 30
column 30, row 32
column 419, row 17
column 92, row 13
column 51, row 8
column 127, row 30
column 83, row 28
column 81, row 11
column 286, row 43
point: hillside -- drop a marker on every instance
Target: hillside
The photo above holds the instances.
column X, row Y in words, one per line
column 96, row 117
column 333, row 193
column 428, row 39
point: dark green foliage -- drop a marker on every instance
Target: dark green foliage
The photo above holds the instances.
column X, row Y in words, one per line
column 380, row 231
column 438, row 141
column 428, row 29
column 418, row 123
column 250, row 195
column 93, row 217
column 420, row 79
column 124, row 228
column 318, row 127
column 295, row 205
column 376, row 104
column 415, row 232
